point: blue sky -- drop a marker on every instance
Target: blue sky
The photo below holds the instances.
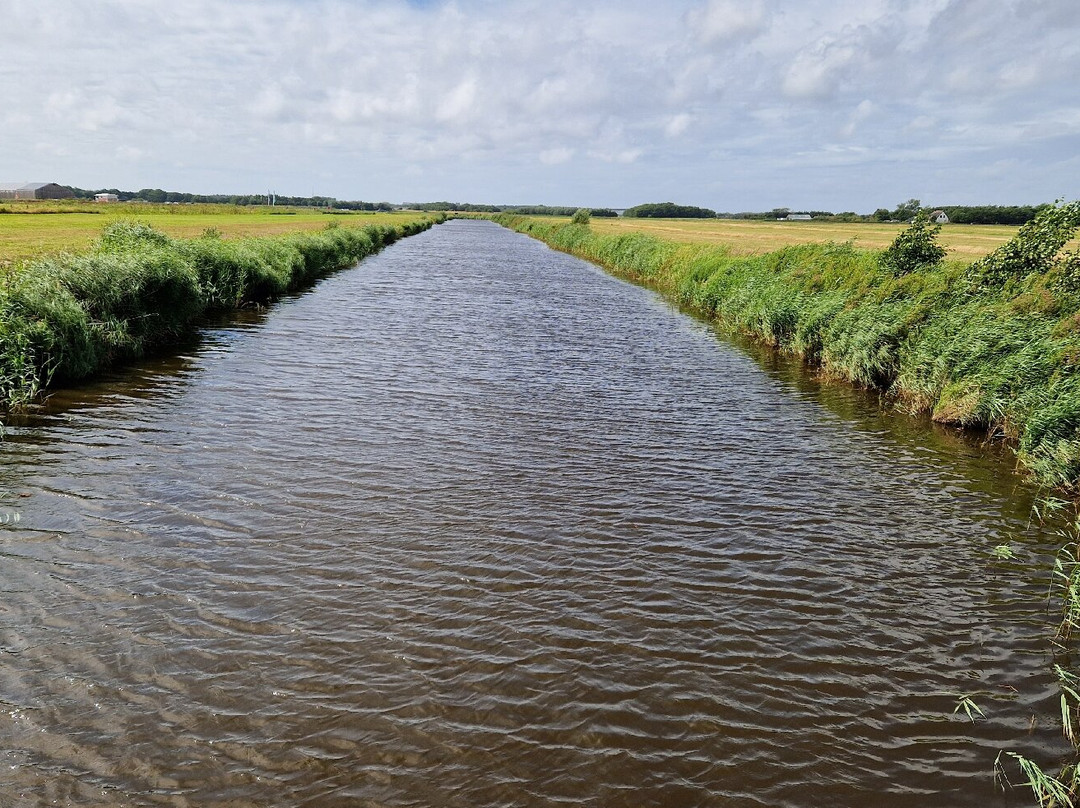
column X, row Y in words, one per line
column 731, row 104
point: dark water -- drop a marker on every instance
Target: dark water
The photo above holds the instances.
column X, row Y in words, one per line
column 475, row 525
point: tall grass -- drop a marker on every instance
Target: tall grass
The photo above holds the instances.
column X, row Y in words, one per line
column 63, row 318
column 994, row 346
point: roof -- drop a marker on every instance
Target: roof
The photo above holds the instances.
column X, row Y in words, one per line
column 23, row 186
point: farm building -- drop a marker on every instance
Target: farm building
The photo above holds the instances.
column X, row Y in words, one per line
column 797, row 217
column 34, row 190
column 106, row 198
column 939, row 217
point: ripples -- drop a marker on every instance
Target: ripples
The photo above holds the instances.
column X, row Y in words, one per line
column 474, row 524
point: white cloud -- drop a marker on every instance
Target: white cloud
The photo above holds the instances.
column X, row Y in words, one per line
column 554, row 157
column 678, row 124
column 726, row 20
column 484, row 100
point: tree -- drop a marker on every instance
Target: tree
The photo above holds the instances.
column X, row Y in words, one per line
column 581, row 216
column 906, row 211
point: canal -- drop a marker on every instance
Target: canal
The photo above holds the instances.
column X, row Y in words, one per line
column 475, row 524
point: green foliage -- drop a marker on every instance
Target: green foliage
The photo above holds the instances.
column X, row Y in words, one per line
column 969, row 707
column 992, row 214
column 1007, row 361
column 669, row 210
column 1036, row 249
column 66, row 317
column 906, row 211
column 915, row 248
column 581, row 216
column 1050, row 791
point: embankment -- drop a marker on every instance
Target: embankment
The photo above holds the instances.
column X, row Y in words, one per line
column 67, row 317
column 994, row 346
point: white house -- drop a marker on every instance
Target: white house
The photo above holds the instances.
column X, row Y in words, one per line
column 939, row 217
column 106, row 198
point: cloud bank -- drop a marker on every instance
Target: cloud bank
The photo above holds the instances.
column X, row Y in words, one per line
column 827, row 104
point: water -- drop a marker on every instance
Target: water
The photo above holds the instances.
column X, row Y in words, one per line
column 474, row 524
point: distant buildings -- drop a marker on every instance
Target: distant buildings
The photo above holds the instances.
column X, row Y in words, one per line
column 34, row 190
column 797, row 217
column 106, row 198
column 939, row 217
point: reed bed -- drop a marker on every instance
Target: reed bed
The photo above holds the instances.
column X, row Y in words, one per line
column 138, row 290
column 993, row 346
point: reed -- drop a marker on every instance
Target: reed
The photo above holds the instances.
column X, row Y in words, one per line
column 65, row 317
column 992, row 346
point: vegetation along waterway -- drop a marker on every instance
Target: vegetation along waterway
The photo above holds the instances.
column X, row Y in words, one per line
column 474, row 523
column 993, row 345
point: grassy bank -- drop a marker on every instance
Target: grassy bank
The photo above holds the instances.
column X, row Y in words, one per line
column 65, row 317
column 30, row 230
column 968, row 344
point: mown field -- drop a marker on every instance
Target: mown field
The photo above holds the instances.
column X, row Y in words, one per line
column 35, row 229
column 965, row 242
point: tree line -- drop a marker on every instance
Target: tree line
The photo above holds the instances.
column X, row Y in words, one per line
column 159, row 196
column 903, row 212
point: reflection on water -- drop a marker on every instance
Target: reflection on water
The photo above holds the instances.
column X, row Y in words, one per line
column 474, row 524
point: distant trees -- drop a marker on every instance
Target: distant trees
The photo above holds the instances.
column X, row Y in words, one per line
column 992, row 214
column 669, row 210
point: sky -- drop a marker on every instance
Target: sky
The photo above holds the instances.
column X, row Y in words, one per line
column 735, row 105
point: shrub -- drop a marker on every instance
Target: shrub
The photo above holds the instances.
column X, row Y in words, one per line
column 1036, row 249
column 914, row 249
column 581, row 216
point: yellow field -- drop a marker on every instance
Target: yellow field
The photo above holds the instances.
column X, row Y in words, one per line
column 965, row 242
column 75, row 226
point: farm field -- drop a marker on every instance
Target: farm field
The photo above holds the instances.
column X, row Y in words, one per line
column 34, row 229
column 965, row 242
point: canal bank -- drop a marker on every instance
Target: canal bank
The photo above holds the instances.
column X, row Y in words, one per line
column 67, row 317
column 997, row 357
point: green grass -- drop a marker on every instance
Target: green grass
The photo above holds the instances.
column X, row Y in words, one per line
column 30, row 230
column 64, row 317
column 961, row 347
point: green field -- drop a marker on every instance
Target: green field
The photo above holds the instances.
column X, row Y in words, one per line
column 35, row 229
column 965, row 242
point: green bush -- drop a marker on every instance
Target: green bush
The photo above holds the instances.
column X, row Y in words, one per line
column 915, row 248
column 66, row 317
column 1036, row 249
column 903, row 322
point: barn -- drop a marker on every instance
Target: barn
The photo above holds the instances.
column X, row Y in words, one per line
column 34, row 190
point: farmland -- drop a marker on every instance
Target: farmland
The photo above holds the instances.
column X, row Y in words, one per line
column 35, row 229
column 965, row 242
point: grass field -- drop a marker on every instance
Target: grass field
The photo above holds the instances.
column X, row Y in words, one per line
column 965, row 242
column 35, row 229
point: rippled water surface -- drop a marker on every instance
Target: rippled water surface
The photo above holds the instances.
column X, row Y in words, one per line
column 473, row 524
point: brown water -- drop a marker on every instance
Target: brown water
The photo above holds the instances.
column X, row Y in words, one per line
column 474, row 524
